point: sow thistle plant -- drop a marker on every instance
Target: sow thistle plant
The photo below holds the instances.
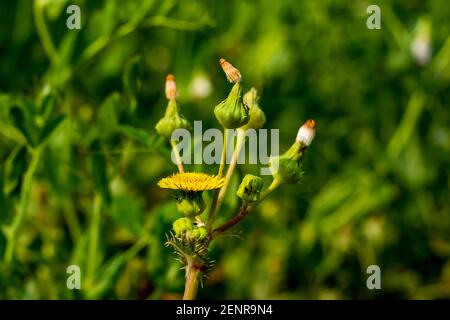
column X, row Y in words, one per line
column 193, row 232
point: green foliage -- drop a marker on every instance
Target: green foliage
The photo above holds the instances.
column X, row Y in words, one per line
column 80, row 158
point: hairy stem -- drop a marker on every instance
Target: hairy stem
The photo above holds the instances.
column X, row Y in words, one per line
column 192, row 281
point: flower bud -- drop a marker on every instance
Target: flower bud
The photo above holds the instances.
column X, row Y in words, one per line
column 232, row 73
column 199, row 233
column 250, row 188
column 182, row 225
column 257, row 116
column 306, row 133
column 171, row 121
column 171, row 88
column 287, row 168
column 190, row 203
column 231, row 112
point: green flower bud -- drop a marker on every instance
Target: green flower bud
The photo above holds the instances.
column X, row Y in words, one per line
column 231, row 112
column 190, row 203
column 199, row 233
column 171, row 121
column 250, row 188
column 182, row 225
column 257, row 116
column 287, row 168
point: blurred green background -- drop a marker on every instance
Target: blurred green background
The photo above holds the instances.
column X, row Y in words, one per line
column 78, row 146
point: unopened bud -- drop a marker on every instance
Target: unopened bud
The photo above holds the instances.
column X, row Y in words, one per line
column 232, row 73
column 171, row 88
column 231, row 112
column 257, row 116
column 306, row 133
column 199, row 233
column 287, row 168
column 250, row 188
column 190, row 204
column 171, row 121
column 182, row 225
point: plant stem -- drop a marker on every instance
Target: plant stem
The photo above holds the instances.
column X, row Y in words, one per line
column 275, row 184
column 177, row 156
column 71, row 219
column 230, row 171
column 94, row 231
column 224, row 153
column 245, row 210
column 11, row 234
column 44, row 34
column 192, row 280
column 212, row 208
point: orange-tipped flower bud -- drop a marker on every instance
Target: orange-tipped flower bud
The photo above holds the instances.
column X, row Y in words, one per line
column 306, row 133
column 233, row 74
column 171, row 88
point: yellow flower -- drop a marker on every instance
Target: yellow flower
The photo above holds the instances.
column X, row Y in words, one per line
column 191, row 181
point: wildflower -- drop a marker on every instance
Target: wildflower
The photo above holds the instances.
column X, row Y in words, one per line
column 190, row 185
column 232, row 73
column 250, row 188
column 257, row 116
column 287, row 168
column 191, row 181
column 306, row 133
column 172, row 119
column 171, row 88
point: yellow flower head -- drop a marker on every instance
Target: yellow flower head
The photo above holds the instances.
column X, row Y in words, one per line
column 191, row 181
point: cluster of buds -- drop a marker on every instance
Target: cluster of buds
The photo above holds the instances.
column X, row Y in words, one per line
column 257, row 116
column 287, row 168
column 186, row 229
column 172, row 119
column 191, row 237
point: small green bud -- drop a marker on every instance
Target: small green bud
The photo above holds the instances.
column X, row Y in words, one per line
column 287, row 168
column 190, row 203
column 199, row 233
column 250, row 188
column 231, row 112
column 257, row 116
column 203, row 233
column 171, row 121
column 182, row 225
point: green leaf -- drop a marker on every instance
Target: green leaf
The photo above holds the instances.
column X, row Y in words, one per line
column 136, row 134
column 22, row 123
column 49, row 128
